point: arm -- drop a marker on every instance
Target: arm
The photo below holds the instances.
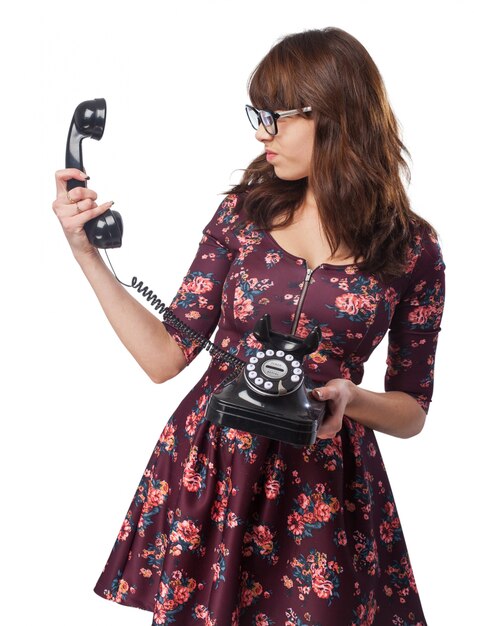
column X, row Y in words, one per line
column 159, row 347
column 140, row 331
column 391, row 412
column 400, row 410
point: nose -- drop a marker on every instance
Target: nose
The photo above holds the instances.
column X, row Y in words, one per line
column 261, row 134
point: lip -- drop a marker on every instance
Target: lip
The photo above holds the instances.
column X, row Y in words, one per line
column 270, row 154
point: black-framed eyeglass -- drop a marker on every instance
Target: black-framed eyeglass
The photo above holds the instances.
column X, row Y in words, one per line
column 269, row 118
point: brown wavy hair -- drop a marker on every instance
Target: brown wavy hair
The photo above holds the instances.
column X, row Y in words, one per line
column 357, row 160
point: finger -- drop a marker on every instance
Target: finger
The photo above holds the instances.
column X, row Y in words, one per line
column 329, row 427
column 62, row 176
column 77, row 194
column 83, row 205
column 86, row 208
column 325, row 393
column 67, row 210
column 73, row 222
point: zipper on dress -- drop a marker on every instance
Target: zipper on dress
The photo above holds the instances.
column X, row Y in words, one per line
column 301, row 299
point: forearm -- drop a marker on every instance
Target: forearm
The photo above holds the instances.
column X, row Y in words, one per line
column 141, row 332
column 392, row 412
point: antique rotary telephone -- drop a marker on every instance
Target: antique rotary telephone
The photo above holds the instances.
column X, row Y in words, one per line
column 270, row 395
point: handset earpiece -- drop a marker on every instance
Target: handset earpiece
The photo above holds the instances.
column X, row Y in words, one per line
column 89, row 120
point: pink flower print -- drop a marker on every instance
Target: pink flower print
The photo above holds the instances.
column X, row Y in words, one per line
column 125, row 530
column 200, row 284
column 243, row 307
column 322, row 511
column 232, row 520
column 386, row 532
column 201, row 611
column 271, row 489
column 155, row 496
column 342, row 538
column 252, row 342
column 123, row 587
column 321, row 586
column 272, row 258
column 303, row 501
column 389, row 508
column 420, row 315
column 348, row 303
column 218, row 510
column 419, row 286
column 191, row 479
column 390, row 295
column 189, row 532
column 262, row 536
column 181, row 594
column 295, row 523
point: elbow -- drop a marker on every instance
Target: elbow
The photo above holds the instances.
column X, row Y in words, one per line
column 159, row 378
column 156, row 379
column 416, row 426
column 161, row 375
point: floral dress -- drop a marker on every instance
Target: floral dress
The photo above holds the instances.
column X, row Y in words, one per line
column 228, row 528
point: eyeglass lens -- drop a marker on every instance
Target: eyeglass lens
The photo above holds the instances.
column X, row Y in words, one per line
column 265, row 117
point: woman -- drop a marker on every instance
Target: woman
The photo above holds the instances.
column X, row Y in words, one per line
column 227, row 527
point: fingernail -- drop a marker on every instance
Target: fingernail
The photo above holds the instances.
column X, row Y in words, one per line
column 111, row 203
column 87, row 178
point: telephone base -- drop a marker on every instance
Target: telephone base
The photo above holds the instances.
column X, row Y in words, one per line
column 289, row 424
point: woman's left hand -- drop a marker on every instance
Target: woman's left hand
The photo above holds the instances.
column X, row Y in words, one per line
column 338, row 393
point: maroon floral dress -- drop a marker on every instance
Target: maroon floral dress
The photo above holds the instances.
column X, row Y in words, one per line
column 230, row 528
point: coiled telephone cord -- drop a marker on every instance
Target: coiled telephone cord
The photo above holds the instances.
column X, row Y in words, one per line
column 168, row 316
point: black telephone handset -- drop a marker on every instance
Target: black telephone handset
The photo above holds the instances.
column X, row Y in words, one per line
column 89, row 120
column 270, row 395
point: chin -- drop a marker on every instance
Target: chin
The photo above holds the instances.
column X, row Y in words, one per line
column 290, row 176
column 284, row 175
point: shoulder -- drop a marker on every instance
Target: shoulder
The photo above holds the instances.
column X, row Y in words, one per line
column 226, row 216
column 424, row 251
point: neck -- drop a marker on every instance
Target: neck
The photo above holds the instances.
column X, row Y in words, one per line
column 308, row 205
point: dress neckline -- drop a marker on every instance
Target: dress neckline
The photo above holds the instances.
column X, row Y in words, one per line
column 321, row 266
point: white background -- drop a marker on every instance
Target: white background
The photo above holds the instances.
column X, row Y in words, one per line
column 80, row 418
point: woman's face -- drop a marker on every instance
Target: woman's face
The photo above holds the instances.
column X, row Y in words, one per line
column 292, row 146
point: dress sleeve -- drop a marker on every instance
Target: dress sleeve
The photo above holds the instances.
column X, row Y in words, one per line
column 414, row 328
column 198, row 301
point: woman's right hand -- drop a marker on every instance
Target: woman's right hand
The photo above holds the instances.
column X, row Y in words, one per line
column 75, row 213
